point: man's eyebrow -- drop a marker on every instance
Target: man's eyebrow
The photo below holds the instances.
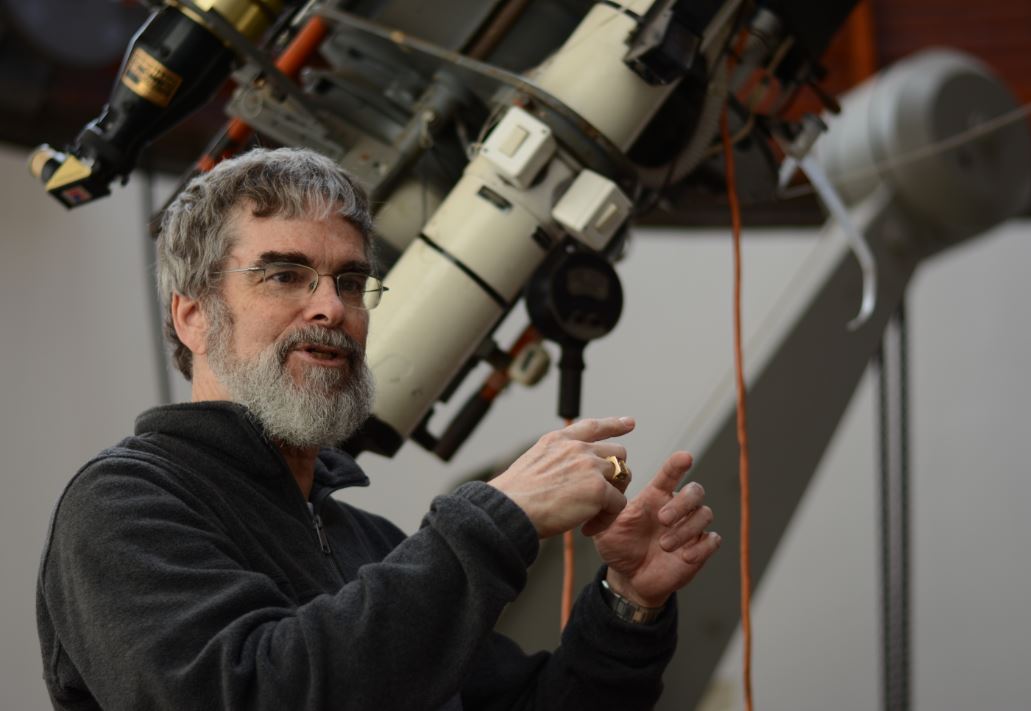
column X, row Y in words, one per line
column 292, row 257
column 355, row 265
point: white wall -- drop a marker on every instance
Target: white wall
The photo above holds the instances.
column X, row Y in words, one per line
column 78, row 365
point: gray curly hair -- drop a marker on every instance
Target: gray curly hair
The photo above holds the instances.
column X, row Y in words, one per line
column 197, row 230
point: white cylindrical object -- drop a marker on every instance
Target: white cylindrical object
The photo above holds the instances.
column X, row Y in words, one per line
column 588, row 75
column 889, row 128
column 400, row 219
column 446, row 293
column 483, row 243
column 497, row 244
column 424, row 330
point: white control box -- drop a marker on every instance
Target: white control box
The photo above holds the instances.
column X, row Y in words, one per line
column 592, row 209
column 519, row 146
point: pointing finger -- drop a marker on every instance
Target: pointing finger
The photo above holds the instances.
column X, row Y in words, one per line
column 609, row 449
column 594, row 430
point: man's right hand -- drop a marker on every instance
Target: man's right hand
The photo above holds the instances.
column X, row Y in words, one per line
column 563, row 480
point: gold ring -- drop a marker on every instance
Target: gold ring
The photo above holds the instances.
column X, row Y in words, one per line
column 620, row 470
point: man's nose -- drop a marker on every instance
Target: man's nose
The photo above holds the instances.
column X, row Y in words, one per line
column 324, row 305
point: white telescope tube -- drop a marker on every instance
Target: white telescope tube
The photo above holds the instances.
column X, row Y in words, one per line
column 451, row 286
column 588, row 75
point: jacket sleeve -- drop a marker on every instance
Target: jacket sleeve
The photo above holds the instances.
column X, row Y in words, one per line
column 153, row 606
column 602, row 663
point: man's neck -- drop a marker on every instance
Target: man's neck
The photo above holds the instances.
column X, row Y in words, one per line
column 301, row 461
column 302, row 466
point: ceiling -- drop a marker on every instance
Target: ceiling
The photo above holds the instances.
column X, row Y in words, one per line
column 58, row 61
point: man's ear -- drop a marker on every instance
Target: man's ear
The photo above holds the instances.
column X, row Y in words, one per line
column 191, row 323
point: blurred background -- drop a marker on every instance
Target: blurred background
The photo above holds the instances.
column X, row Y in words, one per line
column 81, row 358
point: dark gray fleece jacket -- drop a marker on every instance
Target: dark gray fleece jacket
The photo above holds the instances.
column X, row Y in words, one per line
column 184, row 570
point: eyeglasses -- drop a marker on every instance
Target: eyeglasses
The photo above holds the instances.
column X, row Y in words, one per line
column 288, row 281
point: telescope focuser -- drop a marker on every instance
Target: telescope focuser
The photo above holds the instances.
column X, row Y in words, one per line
column 174, row 65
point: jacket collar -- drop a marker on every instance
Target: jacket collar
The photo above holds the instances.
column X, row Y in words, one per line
column 229, row 430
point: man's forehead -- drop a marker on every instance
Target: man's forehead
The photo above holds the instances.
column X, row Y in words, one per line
column 316, row 238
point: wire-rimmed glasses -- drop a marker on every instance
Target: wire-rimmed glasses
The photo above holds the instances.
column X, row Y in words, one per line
column 289, row 281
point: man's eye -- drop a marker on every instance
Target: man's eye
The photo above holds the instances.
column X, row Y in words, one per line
column 351, row 283
column 285, row 276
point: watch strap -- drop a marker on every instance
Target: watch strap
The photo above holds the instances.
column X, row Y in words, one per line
column 627, row 610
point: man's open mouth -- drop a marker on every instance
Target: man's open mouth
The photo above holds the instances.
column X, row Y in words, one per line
column 321, row 352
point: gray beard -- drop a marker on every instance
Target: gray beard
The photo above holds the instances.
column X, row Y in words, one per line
column 324, row 409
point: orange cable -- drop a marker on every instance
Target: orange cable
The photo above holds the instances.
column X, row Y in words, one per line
column 742, row 431
column 568, row 570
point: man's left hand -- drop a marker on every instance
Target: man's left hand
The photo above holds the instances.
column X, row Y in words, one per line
column 658, row 543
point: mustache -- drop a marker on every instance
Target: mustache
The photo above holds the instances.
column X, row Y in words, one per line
column 319, row 336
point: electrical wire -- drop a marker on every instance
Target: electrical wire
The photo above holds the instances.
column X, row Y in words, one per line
column 742, row 420
column 568, row 575
column 568, row 570
column 895, row 524
column 759, row 84
column 157, row 322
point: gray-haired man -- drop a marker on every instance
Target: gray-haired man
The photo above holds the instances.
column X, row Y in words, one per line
column 202, row 563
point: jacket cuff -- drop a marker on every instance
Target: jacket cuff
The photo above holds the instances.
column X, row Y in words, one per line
column 507, row 516
column 607, row 630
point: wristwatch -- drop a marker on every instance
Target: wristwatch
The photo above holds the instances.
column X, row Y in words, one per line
column 627, row 610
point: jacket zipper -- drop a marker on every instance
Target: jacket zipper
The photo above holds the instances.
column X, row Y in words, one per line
column 316, row 519
column 321, row 533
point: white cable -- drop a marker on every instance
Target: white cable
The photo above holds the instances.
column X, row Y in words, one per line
column 836, row 207
column 956, row 140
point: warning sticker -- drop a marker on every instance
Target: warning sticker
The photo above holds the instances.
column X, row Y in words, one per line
column 149, row 78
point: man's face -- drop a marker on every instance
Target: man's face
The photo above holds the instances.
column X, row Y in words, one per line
column 298, row 364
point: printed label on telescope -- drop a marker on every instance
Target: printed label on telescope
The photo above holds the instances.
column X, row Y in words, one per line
column 151, row 79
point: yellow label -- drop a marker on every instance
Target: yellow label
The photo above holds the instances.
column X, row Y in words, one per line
column 149, row 78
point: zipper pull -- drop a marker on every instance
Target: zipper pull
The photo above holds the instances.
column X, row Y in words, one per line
column 321, row 533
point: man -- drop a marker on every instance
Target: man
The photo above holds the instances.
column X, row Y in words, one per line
column 203, row 564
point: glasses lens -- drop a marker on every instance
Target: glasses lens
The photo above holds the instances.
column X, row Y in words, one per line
column 351, row 288
column 373, row 293
column 359, row 291
column 288, row 280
